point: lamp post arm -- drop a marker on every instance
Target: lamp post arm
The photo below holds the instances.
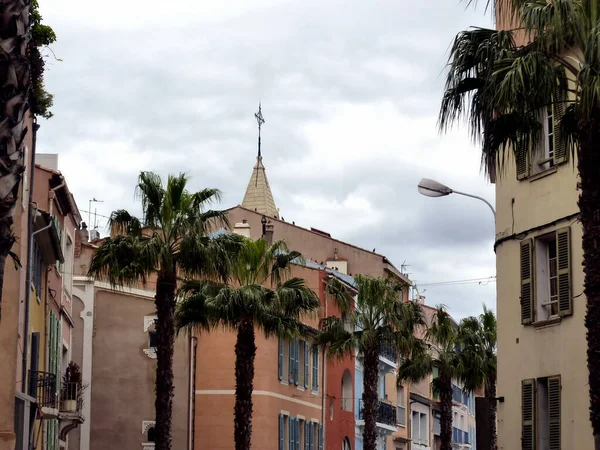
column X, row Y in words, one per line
column 478, row 198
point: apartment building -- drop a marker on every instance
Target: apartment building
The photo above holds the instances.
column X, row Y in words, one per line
column 542, row 372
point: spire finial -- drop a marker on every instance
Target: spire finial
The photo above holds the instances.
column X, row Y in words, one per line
column 260, row 120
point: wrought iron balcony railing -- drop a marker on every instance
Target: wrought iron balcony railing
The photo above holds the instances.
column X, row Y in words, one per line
column 388, row 352
column 386, row 413
column 44, row 386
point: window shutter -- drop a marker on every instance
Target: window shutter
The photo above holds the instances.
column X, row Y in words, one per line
column 320, row 437
column 563, row 253
column 297, row 361
column 311, row 434
column 280, row 360
column 528, row 414
column 292, row 360
column 281, row 433
column 558, row 111
column 297, row 427
column 315, row 381
column 292, row 422
column 526, row 281
column 554, row 412
column 522, row 158
column 306, row 365
column 306, row 435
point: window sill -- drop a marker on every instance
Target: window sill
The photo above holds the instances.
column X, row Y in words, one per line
column 542, row 174
column 300, row 388
column 284, row 383
column 314, row 392
column 547, row 323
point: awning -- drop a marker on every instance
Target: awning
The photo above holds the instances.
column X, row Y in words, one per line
column 47, row 240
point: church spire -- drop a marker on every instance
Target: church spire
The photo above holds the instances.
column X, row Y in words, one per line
column 258, row 195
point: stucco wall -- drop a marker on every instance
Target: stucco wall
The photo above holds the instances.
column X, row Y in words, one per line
column 123, row 376
column 527, row 351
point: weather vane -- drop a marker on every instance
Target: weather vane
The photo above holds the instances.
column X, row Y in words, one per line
column 260, row 120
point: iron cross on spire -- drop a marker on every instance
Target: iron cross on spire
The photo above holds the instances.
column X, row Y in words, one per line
column 260, row 120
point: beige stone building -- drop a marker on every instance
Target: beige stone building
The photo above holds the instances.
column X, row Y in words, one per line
column 542, row 372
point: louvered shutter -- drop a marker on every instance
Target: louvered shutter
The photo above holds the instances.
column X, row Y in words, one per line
column 320, row 437
column 311, row 434
column 558, row 111
column 297, row 428
column 527, row 307
column 522, row 158
column 306, row 436
column 528, row 414
column 554, row 412
column 281, row 433
column 291, row 362
column 315, row 369
column 297, row 362
column 563, row 253
column 280, row 359
column 292, row 422
column 306, row 365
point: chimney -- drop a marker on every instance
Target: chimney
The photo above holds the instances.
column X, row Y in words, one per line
column 94, row 235
column 81, row 235
column 267, row 230
column 242, row 228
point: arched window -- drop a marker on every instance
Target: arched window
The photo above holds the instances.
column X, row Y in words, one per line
column 151, row 435
column 347, row 391
column 346, row 444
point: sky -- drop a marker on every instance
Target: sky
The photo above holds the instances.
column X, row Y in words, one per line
column 350, row 92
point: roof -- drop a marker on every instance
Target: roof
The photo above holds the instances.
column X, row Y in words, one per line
column 384, row 258
column 64, row 196
column 258, row 196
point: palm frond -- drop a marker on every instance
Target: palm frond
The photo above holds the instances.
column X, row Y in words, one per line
column 151, row 192
column 340, row 294
column 296, row 299
column 333, row 334
column 122, row 222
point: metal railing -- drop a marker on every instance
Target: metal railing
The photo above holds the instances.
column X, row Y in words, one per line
column 386, row 413
column 388, row 352
column 45, row 388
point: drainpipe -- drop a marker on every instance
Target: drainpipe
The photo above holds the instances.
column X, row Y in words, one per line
column 192, row 403
column 31, row 217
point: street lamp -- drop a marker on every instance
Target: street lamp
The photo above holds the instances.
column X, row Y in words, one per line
column 431, row 188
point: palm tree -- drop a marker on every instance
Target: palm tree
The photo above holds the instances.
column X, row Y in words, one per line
column 245, row 304
column 477, row 337
column 378, row 317
column 171, row 239
column 500, row 85
column 442, row 355
column 16, row 82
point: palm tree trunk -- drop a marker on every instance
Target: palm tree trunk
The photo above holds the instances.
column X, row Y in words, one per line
column 15, row 79
column 165, row 334
column 490, row 395
column 589, row 207
column 370, row 398
column 245, row 353
column 446, row 412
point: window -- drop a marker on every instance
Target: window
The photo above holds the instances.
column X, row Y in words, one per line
column 315, row 369
column 546, row 277
column 347, row 391
column 541, row 413
column 401, row 414
column 550, row 150
column 38, row 269
column 281, row 432
column 346, row 445
column 24, row 195
column 68, row 266
column 306, row 368
column 284, row 360
column 152, row 339
column 151, row 435
column 419, row 429
column 381, row 387
column 294, row 361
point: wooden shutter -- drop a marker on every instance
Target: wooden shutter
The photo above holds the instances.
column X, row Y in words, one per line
column 528, row 414
column 320, row 437
column 558, row 111
column 563, row 256
column 292, row 426
column 280, row 359
column 281, row 433
column 527, row 306
column 311, row 436
column 306, row 435
column 291, row 363
column 306, row 365
column 315, row 374
column 522, row 158
column 297, row 429
column 296, row 361
column 554, row 412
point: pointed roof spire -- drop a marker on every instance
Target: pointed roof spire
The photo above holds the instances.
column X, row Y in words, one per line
column 258, row 195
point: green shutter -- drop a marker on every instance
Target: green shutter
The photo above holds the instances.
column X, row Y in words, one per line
column 554, row 412
column 527, row 309
column 558, row 111
column 522, row 158
column 281, row 433
column 528, row 414
column 563, row 253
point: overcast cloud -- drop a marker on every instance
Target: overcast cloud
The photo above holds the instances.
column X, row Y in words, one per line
column 350, row 93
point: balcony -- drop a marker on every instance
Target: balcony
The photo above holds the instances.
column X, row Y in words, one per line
column 386, row 415
column 42, row 386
